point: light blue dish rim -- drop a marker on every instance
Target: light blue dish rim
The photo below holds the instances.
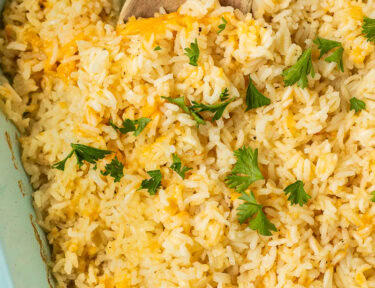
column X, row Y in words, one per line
column 5, row 281
column 22, row 243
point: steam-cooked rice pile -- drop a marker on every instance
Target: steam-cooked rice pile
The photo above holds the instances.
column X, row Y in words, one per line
column 72, row 70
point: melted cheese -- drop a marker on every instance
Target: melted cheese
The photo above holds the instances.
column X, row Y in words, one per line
column 154, row 25
column 160, row 24
column 356, row 12
column 149, row 110
column 291, row 124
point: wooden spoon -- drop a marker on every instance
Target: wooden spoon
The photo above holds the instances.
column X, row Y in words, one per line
column 147, row 8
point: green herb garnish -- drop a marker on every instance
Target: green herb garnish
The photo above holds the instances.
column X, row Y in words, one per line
column 193, row 53
column 218, row 109
column 254, row 98
column 114, row 169
column 177, row 166
column 336, row 57
column 357, row 105
column 82, row 153
column 297, row 194
column 135, row 126
column 180, row 102
column 245, row 171
column 299, row 71
column 373, row 196
column 222, row 26
column 368, row 28
column 326, row 45
column 248, row 209
column 224, row 94
column 153, row 184
column 157, row 48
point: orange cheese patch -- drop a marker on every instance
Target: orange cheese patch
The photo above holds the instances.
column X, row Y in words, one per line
column 160, row 24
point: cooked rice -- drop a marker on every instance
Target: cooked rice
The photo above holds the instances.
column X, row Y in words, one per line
column 72, row 70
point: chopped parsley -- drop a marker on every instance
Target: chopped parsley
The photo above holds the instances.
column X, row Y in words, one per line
column 245, row 171
column 193, row 53
column 114, row 169
column 135, row 126
column 157, row 48
column 224, row 94
column 222, row 26
column 254, row 98
column 180, row 102
column 326, row 45
column 357, row 105
column 368, row 28
column 177, row 166
column 248, row 209
column 299, row 71
column 82, row 153
column 197, row 117
column 153, row 184
column 336, row 57
column 373, row 196
column 297, row 194
column 196, row 108
column 218, row 109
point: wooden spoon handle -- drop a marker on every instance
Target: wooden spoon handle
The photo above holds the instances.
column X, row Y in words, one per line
column 147, row 8
column 243, row 5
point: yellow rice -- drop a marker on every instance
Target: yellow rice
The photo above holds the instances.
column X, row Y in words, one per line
column 72, row 70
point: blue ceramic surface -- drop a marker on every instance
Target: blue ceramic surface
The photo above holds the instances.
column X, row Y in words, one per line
column 21, row 263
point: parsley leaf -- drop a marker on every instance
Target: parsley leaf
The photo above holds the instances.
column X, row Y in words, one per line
column 373, row 196
column 299, row 71
column 297, row 193
column 218, row 109
column 61, row 165
column 115, row 169
column 245, row 171
column 222, row 26
column 177, row 166
column 254, row 98
column 157, row 48
column 337, row 58
column 368, row 28
column 82, row 153
column 152, row 184
column 197, row 117
column 249, row 209
column 357, row 105
column 224, row 94
column 88, row 154
column 180, row 102
column 325, row 45
column 135, row 126
column 193, row 53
